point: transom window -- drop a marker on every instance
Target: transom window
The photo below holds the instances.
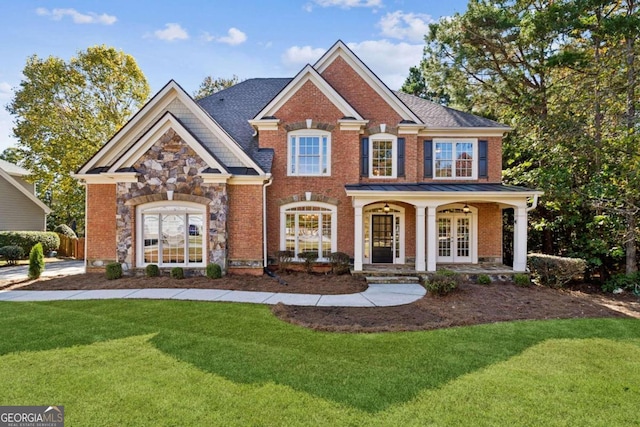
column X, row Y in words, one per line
column 383, row 156
column 171, row 235
column 455, row 159
column 309, row 227
column 309, row 153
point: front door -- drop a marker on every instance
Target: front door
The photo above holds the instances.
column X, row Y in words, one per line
column 382, row 237
column 454, row 238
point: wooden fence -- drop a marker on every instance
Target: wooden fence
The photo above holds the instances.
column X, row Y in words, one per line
column 71, row 247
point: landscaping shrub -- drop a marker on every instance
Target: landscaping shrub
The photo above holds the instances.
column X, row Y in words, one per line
column 554, row 271
column 214, row 271
column 340, row 262
column 442, row 282
column 27, row 239
column 521, row 280
column 309, row 257
column 177, row 273
column 113, row 270
column 36, row 261
column 65, row 230
column 12, row 254
column 152, row 270
column 284, row 259
column 626, row 282
column 483, row 279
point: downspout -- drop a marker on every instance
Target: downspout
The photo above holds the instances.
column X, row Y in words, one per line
column 264, row 221
column 534, row 204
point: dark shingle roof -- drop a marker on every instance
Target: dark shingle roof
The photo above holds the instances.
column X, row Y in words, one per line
column 233, row 107
column 438, row 116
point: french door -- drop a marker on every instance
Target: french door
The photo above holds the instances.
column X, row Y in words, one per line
column 454, row 238
column 382, row 238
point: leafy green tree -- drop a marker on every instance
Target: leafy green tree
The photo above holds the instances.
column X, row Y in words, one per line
column 211, row 85
column 11, row 155
column 65, row 111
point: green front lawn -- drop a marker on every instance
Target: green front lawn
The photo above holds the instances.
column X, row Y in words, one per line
column 125, row 362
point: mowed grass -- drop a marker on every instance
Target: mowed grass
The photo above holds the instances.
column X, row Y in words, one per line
column 126, row 362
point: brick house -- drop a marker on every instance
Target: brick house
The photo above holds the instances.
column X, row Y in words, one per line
column 330, row 160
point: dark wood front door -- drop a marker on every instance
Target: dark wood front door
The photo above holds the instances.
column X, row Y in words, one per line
column 382, row 238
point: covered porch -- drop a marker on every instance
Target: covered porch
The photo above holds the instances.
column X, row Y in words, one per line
column 424, row 227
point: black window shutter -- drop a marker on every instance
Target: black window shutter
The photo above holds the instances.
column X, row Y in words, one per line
column 428, row 158
column 483, row 162
column 364, row 157
column 400, row 157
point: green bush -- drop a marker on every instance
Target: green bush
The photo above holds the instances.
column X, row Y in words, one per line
column 483, row 279
column 65, row 230
column 284, row 259
column 152, row 270
column 522, row 280
column 340, row 262
column 12, row 254
column 27, row 239
column 177, row 273
column 554, row 271
column 442, row 282
column 214, row 271
column 626, row 282
column 309, row 257
column 36, row 261
column 114, row 270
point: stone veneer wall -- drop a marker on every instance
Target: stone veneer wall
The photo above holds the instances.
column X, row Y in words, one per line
column 170, row 164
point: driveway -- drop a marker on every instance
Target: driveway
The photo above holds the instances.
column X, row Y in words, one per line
column 58, row 268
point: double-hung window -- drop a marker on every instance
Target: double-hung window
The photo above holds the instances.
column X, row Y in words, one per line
column 384, row 156
column 309, row 153
column 455, row 159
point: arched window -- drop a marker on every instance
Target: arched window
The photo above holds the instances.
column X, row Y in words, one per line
column 171, row 234
column 309, row 153
column 309, row 226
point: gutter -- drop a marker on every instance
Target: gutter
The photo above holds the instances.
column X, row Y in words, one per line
column 534, row 204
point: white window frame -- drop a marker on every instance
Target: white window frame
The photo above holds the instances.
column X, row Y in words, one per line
column 161, row 209
column 474, row 167
column 286, row 209
column 394, row 154
column 308, row 133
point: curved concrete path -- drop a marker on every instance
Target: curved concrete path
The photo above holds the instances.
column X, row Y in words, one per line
column 376, row 295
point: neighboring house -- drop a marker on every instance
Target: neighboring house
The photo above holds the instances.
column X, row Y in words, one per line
column 20, row 209
column 330, row 160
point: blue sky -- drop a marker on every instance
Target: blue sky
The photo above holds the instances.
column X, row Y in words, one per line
column 189, row 40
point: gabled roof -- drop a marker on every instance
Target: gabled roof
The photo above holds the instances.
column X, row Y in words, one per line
column 340, row 49
column 126, row 137
column 12, row 169
column 437, row 116
column 308, row 73
column 22, row 189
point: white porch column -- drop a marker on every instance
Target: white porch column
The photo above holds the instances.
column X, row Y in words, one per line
column 357, row 238
column 520, row 239
column 432, row 238
column 420, row 238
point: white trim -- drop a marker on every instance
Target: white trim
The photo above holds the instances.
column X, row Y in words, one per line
column 308, row 73
column 284, row 209
column 11, row 180
column 453, row 142
column 397, row 212
column 473, row 231
column 321, row 134
column 464, row 132
column 248, row 179
column 193, row 208
column 394, row 154
column 339, row 49
column 352, row 124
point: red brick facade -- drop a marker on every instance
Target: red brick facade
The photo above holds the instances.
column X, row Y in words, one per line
column 101, row 224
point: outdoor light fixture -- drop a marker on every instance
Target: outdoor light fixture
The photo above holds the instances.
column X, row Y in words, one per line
column 386, row 207
column 466, row 209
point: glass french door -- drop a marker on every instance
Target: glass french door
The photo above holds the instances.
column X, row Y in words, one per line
column 382, row 239
column 454, row 239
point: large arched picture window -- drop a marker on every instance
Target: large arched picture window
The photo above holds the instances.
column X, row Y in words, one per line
column 171, row 234
column 309, row 226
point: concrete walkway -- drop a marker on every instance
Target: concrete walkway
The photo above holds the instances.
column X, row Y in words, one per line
column 58, row 268
column 376, row 295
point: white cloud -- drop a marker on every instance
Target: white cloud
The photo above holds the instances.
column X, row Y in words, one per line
column 234, row 37
column 389, row 61
column 346, row 4
column 171, row 32
column 77, row 17
column 405, row 26
column 300, row 56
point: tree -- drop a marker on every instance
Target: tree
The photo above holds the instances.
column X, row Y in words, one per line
column 65, row 111
column 211, row 85
column 11, row 155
